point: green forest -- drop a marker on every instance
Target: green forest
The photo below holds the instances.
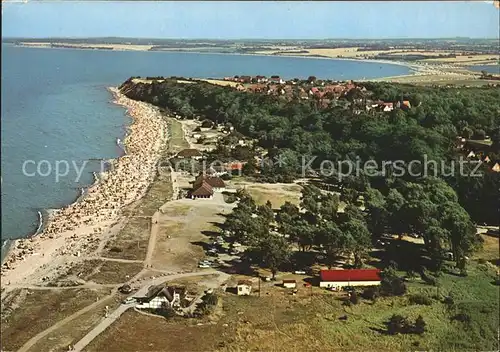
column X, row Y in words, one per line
column 301, row 129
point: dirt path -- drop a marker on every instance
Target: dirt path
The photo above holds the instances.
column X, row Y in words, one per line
column 104, row 324
column 152, row 239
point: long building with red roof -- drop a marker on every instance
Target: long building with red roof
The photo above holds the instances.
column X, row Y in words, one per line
column 351, row 277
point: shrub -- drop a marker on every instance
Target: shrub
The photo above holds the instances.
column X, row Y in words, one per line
column 370, row 293
column 398, row 324
column 353, row 298
column 429, row 278
column 462, row 317
column 448, row 300
column 419, row 327
column 421, row 299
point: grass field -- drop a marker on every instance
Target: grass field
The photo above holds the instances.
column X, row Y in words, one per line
column 276, row 193
column 131, row 242
column 73, row 331
column 37, row 310
column 176, row 141
column 103, row 271
column 278, row 321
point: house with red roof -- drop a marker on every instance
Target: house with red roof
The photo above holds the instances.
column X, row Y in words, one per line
column 387, row 107
column 203, row 190
column 216, row 183
column 276, row 79
column 350, row 277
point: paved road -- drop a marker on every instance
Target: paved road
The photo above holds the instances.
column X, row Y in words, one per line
column 104, row 324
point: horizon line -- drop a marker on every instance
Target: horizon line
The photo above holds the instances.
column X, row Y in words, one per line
column 229, row 39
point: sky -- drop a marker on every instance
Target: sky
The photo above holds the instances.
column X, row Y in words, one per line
column 256, row 20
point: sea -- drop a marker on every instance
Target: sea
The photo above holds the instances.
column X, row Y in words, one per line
column 494, row 69
column 58, row 122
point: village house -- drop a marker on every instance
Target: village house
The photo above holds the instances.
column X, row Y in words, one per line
column 234, row 166
column 496, row 167
column 189, row 153
column 216, row 170
column 162, row 296
column 353, row 277
column 404, row 104
column 289, row 283
column 204, row 191
column 388, row 107
column 244, row 287
column 261, row 79
column 277, row 80
column 216, row 183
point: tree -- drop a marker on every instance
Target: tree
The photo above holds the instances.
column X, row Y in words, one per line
column 266, row 212
column 274, row 252
column 375, row 204
column 359, row 240
column 349, row 196
column 467, row 132
column 479, row 134
column 392, row 284
column 462, row 232
column 329, row 207
column 332, row 240
column 395, row 219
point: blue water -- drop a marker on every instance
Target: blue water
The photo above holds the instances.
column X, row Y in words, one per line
column 55, row 106
column 495, row 69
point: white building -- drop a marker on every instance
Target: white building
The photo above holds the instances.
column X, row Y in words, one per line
column 161, row 296
column 244, row 287
column 289, row 283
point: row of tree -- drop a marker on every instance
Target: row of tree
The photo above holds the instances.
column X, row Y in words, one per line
column 429, row 209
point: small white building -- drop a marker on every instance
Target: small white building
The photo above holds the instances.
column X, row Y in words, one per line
column 353, row 277
column 244, row 287
column 289, row 283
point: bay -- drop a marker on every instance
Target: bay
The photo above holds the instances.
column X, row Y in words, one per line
column 55, row 107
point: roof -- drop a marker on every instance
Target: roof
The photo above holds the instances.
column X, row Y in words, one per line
column 187, row 153
column 244, row 282
column 350, row 275
column 289, row 281
column 213, row 181
column 234, row 166
column 203, row 190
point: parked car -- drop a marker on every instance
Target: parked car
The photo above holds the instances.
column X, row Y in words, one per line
column 129, row 300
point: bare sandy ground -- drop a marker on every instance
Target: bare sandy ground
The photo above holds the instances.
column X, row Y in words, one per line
column 76, row 230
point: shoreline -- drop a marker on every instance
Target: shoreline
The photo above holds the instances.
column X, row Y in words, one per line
column 71, row 230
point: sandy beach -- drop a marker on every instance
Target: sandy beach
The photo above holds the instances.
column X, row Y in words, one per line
column 75, row 230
